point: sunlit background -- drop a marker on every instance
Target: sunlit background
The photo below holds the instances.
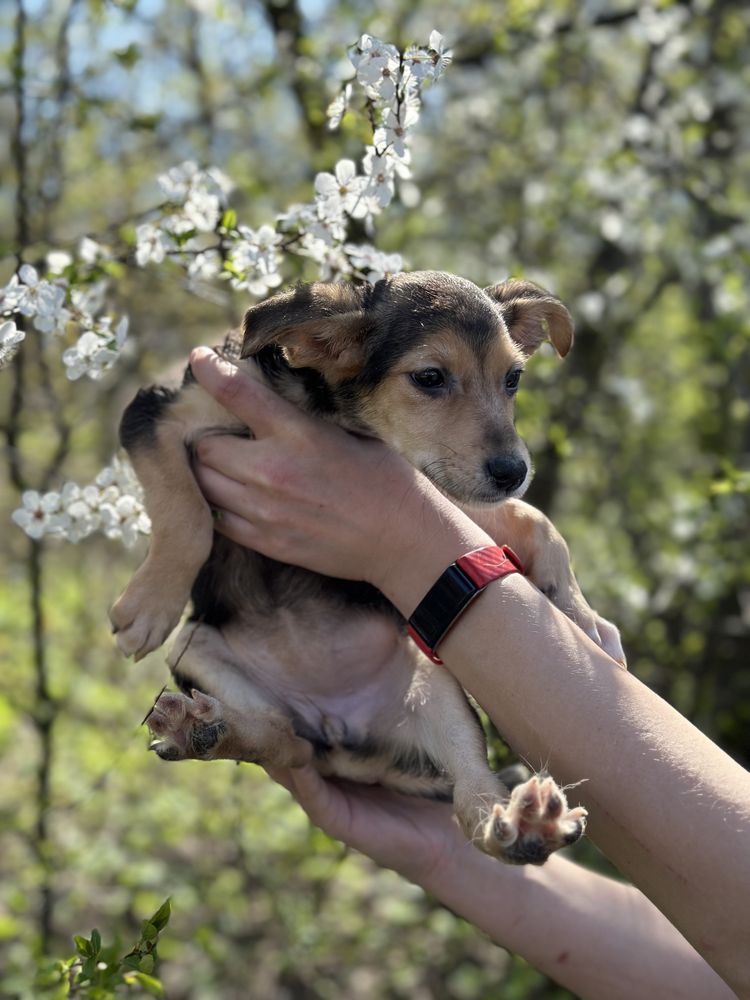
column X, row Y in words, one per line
column 601, row 149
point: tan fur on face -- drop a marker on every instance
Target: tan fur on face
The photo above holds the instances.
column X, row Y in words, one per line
column 451, row 435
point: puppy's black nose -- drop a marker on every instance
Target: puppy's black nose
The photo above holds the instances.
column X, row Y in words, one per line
column 507, row 473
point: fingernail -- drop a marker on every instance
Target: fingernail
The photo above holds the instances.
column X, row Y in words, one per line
column 200, row 354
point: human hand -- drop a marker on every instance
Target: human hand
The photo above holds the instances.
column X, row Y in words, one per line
column 306, row 492
column 416, row 837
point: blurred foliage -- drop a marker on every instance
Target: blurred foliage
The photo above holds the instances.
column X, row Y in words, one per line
column 96, row 972
column 599, row 148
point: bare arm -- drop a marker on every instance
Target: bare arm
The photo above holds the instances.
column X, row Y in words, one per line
column 597, row 937
column 666, row 805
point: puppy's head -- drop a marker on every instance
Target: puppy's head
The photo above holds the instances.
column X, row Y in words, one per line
column 428, row 362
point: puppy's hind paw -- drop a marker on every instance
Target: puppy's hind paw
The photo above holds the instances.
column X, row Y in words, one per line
column 533, row 824
column 202, row 728
column 185, row 728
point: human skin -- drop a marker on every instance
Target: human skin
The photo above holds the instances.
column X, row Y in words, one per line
column 598, row 937
column 666, row 805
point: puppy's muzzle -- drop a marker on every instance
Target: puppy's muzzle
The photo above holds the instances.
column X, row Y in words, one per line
column 506, row 473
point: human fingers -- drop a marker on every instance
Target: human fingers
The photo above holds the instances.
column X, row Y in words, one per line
column 228, row 454
column 324, row 803
column 254, row 403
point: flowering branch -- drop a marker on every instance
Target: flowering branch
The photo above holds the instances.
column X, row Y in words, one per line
column 197, row 230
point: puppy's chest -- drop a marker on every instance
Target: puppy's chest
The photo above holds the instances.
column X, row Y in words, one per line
column 238, row 584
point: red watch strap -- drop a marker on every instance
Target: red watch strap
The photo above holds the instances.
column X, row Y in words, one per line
column 456, row 588
column 485, row 565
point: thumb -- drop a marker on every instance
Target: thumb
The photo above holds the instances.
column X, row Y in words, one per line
column 238, row 391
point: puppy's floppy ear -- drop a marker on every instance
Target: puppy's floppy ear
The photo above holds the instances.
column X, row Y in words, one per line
column 319, row 326
column 532, row 315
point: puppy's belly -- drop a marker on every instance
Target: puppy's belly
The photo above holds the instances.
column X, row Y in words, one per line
column 342, row 678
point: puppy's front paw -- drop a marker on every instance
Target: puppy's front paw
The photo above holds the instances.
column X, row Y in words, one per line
column 535, row 822
column 603, row 632
column 607, row 635
column 143, row 617
column 563, row 590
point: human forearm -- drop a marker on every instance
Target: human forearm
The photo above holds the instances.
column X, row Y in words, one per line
column 665, row 804
column 597, row 937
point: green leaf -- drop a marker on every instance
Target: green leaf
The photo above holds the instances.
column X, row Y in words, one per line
column 83, row 946
column 161, row 918
column 149, row 932
column 88, row 968
column 229, row 219
column 150, row 985
column 96, row 941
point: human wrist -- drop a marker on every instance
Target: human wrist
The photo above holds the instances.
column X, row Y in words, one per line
column 424, row 538
column 462, row 884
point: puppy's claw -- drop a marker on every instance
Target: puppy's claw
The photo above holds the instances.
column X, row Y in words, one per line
column 593, row 633
column 611, row 642
column 503, row 831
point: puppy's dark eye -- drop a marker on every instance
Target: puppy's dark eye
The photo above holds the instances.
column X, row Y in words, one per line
column 512, row 379
column 428, row 378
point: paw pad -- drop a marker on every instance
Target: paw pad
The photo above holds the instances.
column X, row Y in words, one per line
column 185, row 728
column 534, row 823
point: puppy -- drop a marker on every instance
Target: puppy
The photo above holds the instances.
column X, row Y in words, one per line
column 281, row 666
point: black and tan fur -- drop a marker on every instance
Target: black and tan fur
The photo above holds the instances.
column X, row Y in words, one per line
column 281, row 666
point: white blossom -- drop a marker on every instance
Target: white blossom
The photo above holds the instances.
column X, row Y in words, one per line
column 342, row 190
column 42, row 301
column 90, row 252
column 40, row 514
column 330, row 224
column 331, row 259
column 176, row 182
column 373, row 263
column 113, row 504
column 203, row 210
column 82, row 508
column 96, row 350
column 378, row 66
column 86, row 301
column 205, row 266
column 152, row 244
column 254, row 260
column 201, row 195
column 119, row 474
column 10, row 339
column 58, row 260
column 381, row 170
column 337, row 108
column 395, row 129
column 124, row 519
column 441, row 57
column 298, row 216
column 183, row 180
column 430, row 64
